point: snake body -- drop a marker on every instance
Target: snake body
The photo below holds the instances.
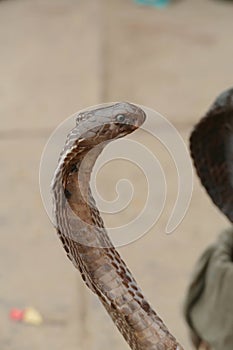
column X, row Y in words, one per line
column 84, row 238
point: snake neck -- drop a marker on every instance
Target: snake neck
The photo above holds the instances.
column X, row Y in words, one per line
column 81, row 230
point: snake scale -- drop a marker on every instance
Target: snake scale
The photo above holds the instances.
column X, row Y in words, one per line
column 81, row 228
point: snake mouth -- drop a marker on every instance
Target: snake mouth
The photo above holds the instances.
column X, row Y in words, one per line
column 116, row 131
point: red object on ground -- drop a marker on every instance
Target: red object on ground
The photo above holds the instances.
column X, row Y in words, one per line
column 16, row 314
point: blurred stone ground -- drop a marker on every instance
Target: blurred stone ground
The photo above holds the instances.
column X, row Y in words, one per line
column 58, row 57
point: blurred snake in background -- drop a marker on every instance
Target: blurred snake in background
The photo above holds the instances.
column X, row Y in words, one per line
column 81, row 228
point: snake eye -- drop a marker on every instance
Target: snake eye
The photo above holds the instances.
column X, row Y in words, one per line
column 120, row 118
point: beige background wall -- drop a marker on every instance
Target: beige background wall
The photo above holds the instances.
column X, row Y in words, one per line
column 57, row 57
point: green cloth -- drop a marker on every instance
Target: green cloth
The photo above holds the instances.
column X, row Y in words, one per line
column 209, row 301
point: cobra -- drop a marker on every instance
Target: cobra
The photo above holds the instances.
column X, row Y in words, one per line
column 81, row 228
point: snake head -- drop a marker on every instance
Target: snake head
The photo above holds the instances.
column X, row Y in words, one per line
column 110, row 122
column 125, row 118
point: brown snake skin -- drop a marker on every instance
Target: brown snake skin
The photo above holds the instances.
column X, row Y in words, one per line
column 82, row 232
